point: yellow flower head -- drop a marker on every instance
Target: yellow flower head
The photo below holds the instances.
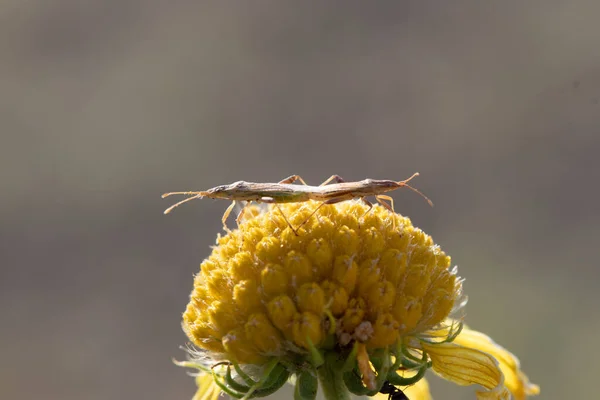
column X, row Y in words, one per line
column 358, row 298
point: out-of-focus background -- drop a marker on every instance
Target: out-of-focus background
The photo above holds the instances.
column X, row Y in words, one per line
column 104, row 105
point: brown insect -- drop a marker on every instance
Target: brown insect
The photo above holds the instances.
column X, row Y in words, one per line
column 286, row 192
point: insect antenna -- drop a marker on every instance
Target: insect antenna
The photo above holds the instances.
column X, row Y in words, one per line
column 405, row 183
column 194, row 195
column 185, row 193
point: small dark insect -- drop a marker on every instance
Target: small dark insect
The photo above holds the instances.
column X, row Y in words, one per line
column 393, row 391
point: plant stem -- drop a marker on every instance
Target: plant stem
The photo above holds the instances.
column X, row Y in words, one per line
column 331, row 379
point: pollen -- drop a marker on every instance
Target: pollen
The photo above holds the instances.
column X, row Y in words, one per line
column 350, row 274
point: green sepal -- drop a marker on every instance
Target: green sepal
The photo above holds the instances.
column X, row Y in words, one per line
column 330, row 377
column 382, row 368
column 350, row 362
column 329, row 343
column 306, row 386
column 217, row 378
column 274, row 376
column 266, row 377
column 249, row 381
column 233, row 384
column 454, row 332
column 377, row 358
column 351, row 376
column 407, row 356
column 408, row 364
column 277, row 379
column 412, row 362
column 398, row 380
column 316, row 357
column 332, row 322
column 398, row 355
column 353, row 382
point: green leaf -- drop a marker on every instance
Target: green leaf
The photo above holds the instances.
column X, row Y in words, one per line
column 306, row 386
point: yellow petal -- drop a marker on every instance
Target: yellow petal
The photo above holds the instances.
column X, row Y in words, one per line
column 514, row 379
column 465, row 366
column 418, row 391
column 207, row 389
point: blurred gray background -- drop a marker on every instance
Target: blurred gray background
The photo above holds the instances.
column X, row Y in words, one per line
column 104, row 105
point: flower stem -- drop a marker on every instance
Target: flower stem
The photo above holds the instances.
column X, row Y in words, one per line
column 331, row 378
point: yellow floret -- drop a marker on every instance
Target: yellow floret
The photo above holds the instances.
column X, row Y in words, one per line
column 307, row 326
column 349, row 281
column 310, row 297
column 357, row 275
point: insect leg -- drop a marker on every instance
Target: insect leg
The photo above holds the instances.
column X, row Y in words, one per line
column 330, row 201
column 380, row 199
column 286, row 220
column 336, row 178
column 242, row 212
column 292, row 179
column 368, row 204
column 271, row 200
column 226, row 215
column 312, row 213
